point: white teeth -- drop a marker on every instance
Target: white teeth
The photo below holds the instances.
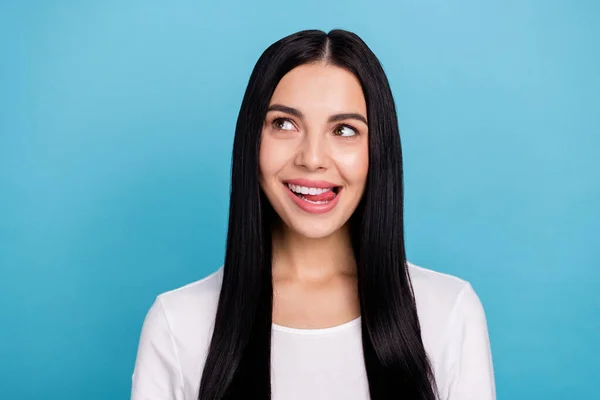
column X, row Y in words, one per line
column 307, row 190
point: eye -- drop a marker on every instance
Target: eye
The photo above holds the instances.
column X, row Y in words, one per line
column 283, row 124
column 345, row 131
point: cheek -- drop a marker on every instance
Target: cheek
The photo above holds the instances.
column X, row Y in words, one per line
column 272, row 159
column 354, row 165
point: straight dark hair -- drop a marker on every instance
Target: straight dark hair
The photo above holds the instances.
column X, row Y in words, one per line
column 239, row 357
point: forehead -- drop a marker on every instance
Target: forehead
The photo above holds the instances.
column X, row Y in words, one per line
column 320, row 88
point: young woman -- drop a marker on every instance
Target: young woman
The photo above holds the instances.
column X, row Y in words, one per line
column 316, row 299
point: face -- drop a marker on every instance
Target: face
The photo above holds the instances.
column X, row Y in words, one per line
column 314, row 154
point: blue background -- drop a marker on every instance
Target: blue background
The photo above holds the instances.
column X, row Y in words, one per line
column 116, row 128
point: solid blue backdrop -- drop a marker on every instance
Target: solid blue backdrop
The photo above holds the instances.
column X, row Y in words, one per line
column 116, row 127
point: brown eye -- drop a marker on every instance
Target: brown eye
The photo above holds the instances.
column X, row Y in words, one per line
column 283, row 124
column 345, row 131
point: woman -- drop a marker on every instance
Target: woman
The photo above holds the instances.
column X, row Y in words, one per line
column 316, row 299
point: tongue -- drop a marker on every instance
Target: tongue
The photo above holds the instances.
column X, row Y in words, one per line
column 326, row 196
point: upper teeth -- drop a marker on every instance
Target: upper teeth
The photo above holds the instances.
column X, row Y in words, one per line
column 307, row 190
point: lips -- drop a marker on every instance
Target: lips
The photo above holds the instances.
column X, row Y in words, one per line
column 315, row 197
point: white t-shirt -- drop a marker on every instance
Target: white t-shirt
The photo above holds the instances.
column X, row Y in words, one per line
column 316, row 364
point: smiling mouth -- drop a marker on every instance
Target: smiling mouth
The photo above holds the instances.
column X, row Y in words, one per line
column 314, row 195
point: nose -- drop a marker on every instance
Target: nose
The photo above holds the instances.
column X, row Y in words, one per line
column 313, row 152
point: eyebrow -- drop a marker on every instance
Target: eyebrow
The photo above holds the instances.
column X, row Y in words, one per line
column 332, row 118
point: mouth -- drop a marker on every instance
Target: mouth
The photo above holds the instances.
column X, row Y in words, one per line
column 313, row 196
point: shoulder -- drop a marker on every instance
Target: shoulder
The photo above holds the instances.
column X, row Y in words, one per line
column 175, row 338
column 190, row 312
column 432, row 287
column 196, row 295
column 455, row 334
column 444, row 302
column 192, row 307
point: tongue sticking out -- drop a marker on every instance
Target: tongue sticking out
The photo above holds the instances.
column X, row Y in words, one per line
column 327, row 196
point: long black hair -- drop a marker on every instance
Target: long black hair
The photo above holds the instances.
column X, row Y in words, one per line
column 238, row 361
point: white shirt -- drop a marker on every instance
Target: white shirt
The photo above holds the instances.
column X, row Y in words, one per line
column 316, row 364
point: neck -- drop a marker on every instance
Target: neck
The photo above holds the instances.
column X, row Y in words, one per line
column 300, row 258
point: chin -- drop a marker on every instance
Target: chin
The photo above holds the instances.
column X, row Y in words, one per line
column 314, row 229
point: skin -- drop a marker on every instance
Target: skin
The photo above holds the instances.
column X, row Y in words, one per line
column 314, row 271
